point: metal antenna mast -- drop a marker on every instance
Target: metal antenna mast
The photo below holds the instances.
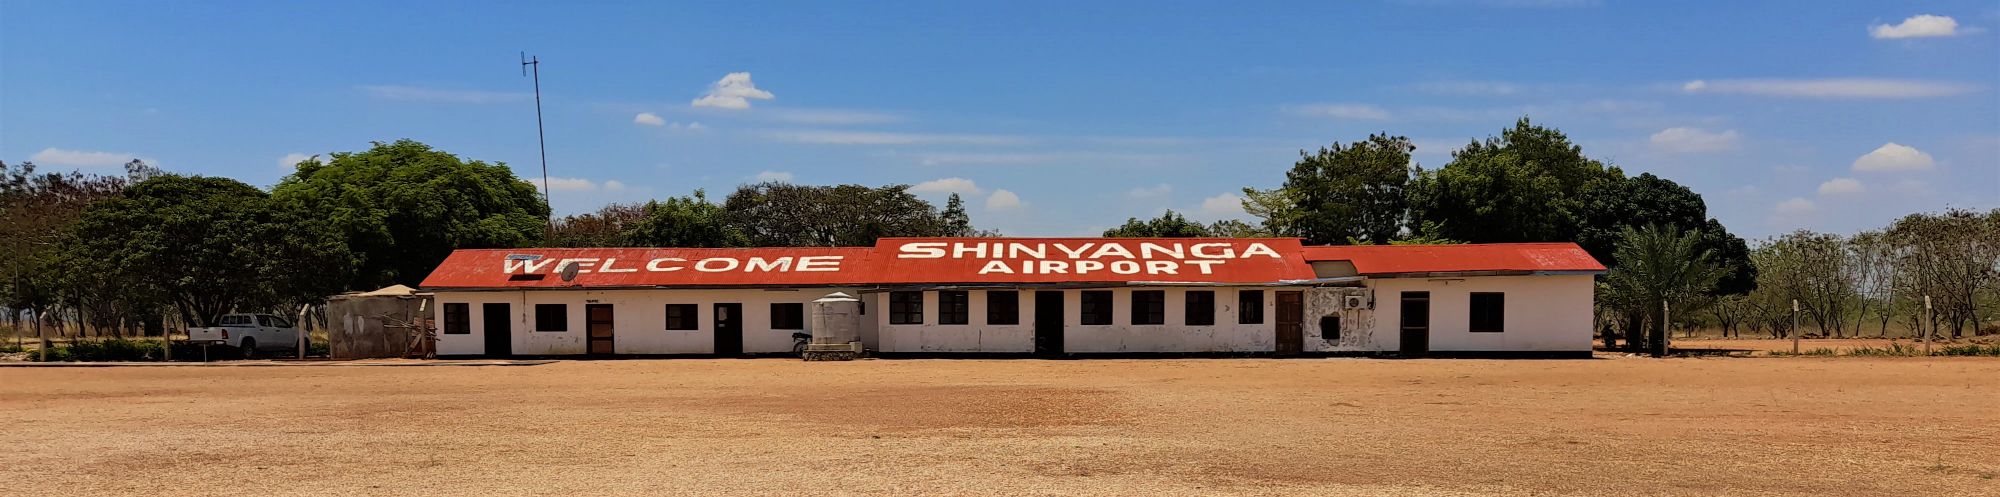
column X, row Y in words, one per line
column 540, row 140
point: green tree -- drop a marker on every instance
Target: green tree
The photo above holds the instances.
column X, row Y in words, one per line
column 204, row 246
column 402, row 207
column 1231, row 228
column 1659, row 265
column 956, row 222
column 685, row 222
column 775, row 214
column 37, row 210
column 1521, row 186
column 1347, row 192
column 1168, row 225
column 1611, row 203
column 605, row 228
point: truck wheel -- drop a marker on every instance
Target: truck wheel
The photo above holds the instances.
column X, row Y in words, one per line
column 248, row 347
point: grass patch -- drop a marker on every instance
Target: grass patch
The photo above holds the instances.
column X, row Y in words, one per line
column 1898, row 349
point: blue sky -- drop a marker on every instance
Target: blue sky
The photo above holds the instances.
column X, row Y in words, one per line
column 1052, row 118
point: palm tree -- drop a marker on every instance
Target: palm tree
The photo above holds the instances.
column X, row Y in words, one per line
column 1659, row 265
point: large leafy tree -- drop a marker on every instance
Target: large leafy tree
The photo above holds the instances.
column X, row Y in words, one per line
column 204, row 246
column 402, row 207
column 1521, row 186
column 1660, row 264
column 787, row 215
column 1168, row 225
column 685, row 222
column 1614, row 202
column 36, row 211
column 604, row 228
column 1343, row 194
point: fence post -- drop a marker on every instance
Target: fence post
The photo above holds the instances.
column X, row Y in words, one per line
column 1927, row 325
column 1795, row 326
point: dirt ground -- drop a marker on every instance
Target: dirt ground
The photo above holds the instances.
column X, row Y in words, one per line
column 1607, row 426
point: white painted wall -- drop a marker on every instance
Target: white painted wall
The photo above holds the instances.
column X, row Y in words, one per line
column 1120, row 336
column 638, row 320
column 1543, row 314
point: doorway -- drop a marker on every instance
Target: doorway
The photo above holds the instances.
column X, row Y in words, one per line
column 1416, row 325
column 1291, row 319
column 729, row 329
column 1049, row 322
column 499, row 329
column 597, row 323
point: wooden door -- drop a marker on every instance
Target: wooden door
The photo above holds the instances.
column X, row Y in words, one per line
column 1049, row 322
column 597, row 322
column 1291, row 319
column 1416, row 324
column 728, row 329
column 498, row 327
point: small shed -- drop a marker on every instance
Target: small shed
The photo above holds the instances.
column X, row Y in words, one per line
column 358, row 324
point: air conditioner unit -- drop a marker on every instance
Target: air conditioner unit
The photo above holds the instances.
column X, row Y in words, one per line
column 1354, row 302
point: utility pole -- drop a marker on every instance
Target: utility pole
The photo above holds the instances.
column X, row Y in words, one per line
column 534, row 65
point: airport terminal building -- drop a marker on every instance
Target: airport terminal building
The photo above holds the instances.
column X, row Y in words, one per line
column 1024, row 296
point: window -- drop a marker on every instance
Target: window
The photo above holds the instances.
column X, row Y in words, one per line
column 1096, row 307
column 457, row 319
column 788, row 316
column 551, row 317
column 1149, row 307
column 1329, row 327
column 906, row 307
column 1489, row 312
column 1200, row 308
column 1250, row 307
column 683, row 317
column 954, row 307
column 1003, row 307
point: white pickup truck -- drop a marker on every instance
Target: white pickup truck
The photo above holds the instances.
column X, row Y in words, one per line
column 250, row 333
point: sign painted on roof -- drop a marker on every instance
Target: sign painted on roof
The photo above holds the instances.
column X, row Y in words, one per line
column 1098, row 259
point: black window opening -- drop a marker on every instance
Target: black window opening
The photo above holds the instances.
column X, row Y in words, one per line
column 1149, row 307
column 1489, row 312
column 906, row 307
column 788, row 316
column 1003, row 307
column 954, row 307
column 551, row 317
column 683, row 317
column 1250, row 307
column 457, row 319
column 1200, row 308
column 1096, row 307
column 1329, row 327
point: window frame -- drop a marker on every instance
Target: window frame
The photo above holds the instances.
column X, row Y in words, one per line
column 1191, row 310
column 562, row 323
column 1010, row 312
column 1149, row 307
column 1090, row 313
column 906, row 311
column 458, row 321
column 1248, row 312
column 1497, row 310
column 954, row 307
column 794, row 314
column 691, row 320
column 1336, row 327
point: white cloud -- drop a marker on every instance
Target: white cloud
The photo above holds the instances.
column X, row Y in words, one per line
column 1159, row 190
column 1694, row 140
column 779, row 176
column 1226, row 205
column 648, row 119
column 1911, row 187
column 1796, row 206
column 733, row 91
column 689, row 126
column 1840, row 186
column 613, row 185
column 877, row 138
column 433, row 95
column 833, row 116
column 1918, row 26
column 1829, row 88
column 83, row 158
column 947, row 185
column 1894, row 157
column 1468, row 88
column 570, row 184
column 293, row 159
column 1342, row 111
column 1003, row 200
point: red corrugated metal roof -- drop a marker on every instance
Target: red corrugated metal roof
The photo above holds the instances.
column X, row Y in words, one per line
column 894, row 261
column 1483, row 257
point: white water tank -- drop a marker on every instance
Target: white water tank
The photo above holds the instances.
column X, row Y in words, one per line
column 836, row 319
